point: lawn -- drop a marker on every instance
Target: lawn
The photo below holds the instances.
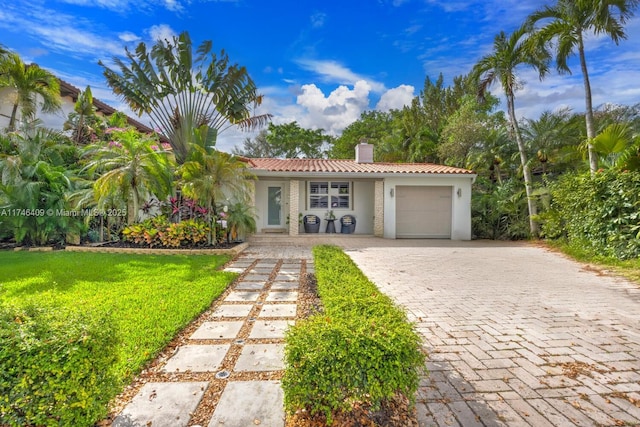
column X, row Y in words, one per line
column 149, row 298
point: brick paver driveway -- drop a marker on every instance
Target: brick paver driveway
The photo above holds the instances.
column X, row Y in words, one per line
column 516, row 334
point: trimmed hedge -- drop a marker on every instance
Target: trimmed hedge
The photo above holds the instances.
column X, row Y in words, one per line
column 362, row 349
column 599, row 214
column 55, row 367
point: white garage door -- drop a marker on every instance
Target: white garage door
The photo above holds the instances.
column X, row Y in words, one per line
column 423, row 212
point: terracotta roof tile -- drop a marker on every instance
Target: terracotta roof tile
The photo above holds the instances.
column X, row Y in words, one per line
column 350, row 166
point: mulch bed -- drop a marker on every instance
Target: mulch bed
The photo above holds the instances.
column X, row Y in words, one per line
column 122, row 244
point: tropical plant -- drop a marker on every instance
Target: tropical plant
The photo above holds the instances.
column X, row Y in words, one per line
column 35, row 178
column 508, row 54
column 182, row 93
column 132, row 167
column 211, row 177
column 241, row 218
column 84, row 123
column 554, row 140
column 618, row 147
column 567, row 23
column 29, row 84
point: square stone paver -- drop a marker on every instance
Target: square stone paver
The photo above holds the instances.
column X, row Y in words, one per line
column 252, row 286
column 284, row 286
column 233, row 310
column 197, row 358
column 256, row 277
column 282, row 296
column 261, row 357
column 278, row 310
column 242, row 296
column 270, row 328
column 217, row 330
column 234, row 269
column 287, row 277
column 261, row 270
column 249, row 403
column 162, row 405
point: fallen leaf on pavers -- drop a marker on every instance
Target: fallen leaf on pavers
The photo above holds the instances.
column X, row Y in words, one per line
column 619, row 422
column 153, row 395
column 256, row 422
column 576, row 404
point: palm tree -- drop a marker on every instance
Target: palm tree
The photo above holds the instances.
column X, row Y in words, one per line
column 182, row 93
column 509, row 53
column 569, row 22
column 212, row 177
column 29, row 82
column 83, row 121
column 131, row 167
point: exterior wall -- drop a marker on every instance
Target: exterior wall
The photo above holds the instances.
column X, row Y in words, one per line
column 461, row 202
column 50, row 120
column 362, row 205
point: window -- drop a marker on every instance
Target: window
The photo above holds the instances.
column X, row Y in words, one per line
column 329, row 195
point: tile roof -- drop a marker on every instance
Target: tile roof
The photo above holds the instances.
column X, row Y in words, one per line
column 350, row 166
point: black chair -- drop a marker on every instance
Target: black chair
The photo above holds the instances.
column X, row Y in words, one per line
column 348, row 224
column 311, row 223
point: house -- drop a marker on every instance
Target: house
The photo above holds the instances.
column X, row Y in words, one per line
column 391, row 200
column 69, row 95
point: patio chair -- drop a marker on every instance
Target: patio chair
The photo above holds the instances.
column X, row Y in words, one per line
column 311, row 223
column 348, row 224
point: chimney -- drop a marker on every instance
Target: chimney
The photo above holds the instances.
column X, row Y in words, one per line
column 364, row 153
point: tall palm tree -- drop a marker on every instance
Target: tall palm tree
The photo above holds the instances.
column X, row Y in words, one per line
column 30, row 83
column 181, row 92
column 509, row 52
column 130, row 167
column 569, row 21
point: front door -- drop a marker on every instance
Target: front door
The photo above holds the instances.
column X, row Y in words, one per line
column 274, row 206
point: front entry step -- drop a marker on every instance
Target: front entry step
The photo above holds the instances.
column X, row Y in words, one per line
column 274, row 230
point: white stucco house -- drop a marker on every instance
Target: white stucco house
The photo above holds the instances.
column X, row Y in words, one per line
column 391, row 200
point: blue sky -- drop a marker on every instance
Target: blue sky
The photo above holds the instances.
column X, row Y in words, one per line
column 321, row 63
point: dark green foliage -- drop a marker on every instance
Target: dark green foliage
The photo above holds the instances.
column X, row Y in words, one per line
column 360, row 350
column 599, row 214
column 499, row 211
column 55, row 367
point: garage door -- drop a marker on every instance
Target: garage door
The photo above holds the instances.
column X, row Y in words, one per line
column 423, row 212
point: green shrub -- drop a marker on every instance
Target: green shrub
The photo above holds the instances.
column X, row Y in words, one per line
column 159, row 231
column 55, row 367
column 599, row 214
column 360, row 350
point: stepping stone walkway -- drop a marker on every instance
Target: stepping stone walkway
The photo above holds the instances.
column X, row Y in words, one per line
column 228, row 370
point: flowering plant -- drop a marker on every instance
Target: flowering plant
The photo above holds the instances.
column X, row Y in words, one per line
column 329, row 215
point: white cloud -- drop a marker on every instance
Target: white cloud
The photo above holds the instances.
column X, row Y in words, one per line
column 396, row 98
column 334, row 72
column 161, row 32
column 128, row 37
column 317, row 19
column 336, row 111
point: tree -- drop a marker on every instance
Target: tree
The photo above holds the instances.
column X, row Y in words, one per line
column 372, row 127
column 289, row 140
column 212, row 177
column 257, row 147
column 569, row 22
column 500, row 66
column 83, row 121
column 182, row 93
column 35, row 177
column 131, row 167
column 30, row 83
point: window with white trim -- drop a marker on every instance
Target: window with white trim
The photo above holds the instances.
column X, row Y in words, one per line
column 329, row 195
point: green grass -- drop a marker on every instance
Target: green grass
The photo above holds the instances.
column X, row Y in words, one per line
column 629, row 268
column 149, row 298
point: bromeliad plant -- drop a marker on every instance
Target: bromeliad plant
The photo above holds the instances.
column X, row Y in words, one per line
column 159, row 232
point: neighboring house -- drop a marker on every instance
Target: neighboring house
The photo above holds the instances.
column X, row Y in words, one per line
column 69, row 95
column 391, row 200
